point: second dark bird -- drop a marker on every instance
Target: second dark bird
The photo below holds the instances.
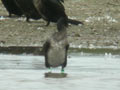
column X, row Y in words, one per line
column 12, row 7
column 52, row 11
column 28, row 9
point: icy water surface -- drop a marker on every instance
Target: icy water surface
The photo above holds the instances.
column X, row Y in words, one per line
column 85, row 72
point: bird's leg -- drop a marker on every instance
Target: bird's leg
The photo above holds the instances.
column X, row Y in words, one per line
column 10, row 15
column 27, row 19
column 48, row 23
column 62, row 70
column 50, row 69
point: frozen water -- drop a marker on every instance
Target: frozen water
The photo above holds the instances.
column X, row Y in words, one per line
column 85, row 72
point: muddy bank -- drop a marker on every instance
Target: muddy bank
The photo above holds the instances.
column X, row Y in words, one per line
column 38, row 50
column 101, row 29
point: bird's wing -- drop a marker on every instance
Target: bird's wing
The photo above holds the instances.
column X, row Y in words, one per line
column 65, row 63
column 67, row 47
column 46, row 46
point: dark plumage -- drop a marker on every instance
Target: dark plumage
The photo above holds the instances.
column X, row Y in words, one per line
column 56, row 47
column 11, row 7
column 28, row 9
column 52, row 11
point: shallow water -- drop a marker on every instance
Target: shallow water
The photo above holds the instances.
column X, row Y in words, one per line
column 85, row 71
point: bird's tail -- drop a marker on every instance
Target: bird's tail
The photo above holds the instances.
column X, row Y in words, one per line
column 75, row 22
column 62, row 24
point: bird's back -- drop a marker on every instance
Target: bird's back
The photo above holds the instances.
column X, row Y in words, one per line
column 50, row 10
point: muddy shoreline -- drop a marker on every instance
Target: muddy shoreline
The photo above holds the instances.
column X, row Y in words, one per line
column 101, row 29
column 38, row 50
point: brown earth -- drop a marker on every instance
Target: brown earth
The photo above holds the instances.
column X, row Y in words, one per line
column 101, row 29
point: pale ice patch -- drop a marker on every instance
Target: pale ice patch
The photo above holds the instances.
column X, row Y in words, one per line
column 92, row 46
column 105, row 17
column 23, row 61
column 2, row 18
column 40, row 28
column 21, row 19
column 84, row 72
column 72, row 17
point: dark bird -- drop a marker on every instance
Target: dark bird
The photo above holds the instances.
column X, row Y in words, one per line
column 28, row 9
column 56, row 47
column 52, row 11
column 11, row 7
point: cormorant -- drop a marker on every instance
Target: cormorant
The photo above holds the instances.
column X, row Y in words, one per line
column 11, row 7
column 28, row 9
column 52, row 11
column 56, row 47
